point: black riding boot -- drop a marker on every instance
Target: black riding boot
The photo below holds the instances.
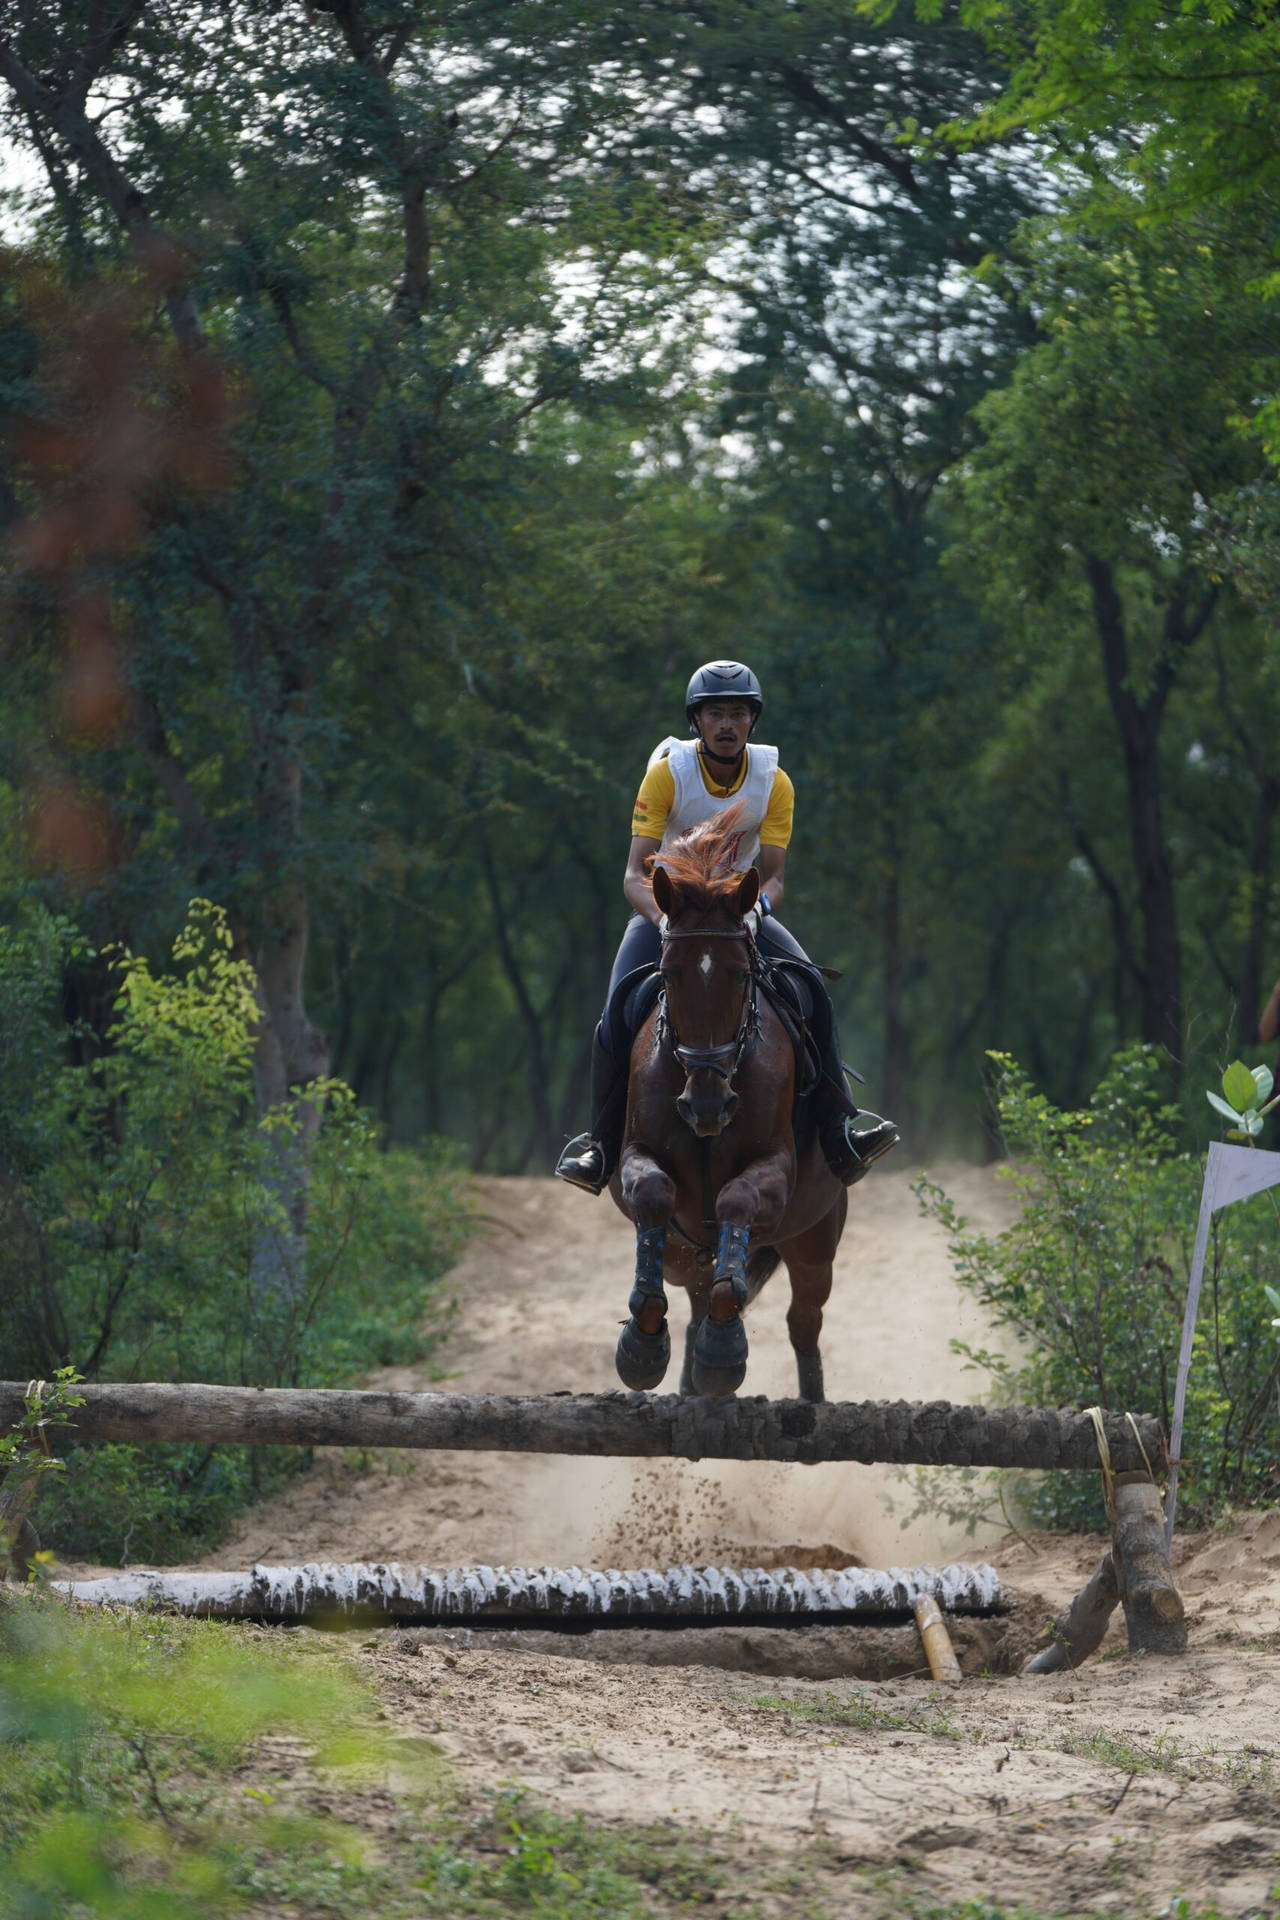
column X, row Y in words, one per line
column 852, row 1138
column 590, row 1158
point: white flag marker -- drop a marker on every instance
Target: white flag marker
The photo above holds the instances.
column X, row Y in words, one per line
column 1232, row 1173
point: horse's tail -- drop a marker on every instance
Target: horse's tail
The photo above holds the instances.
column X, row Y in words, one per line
column 761, row 1262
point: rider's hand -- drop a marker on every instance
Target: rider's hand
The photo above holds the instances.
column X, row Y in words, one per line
column 751, row 921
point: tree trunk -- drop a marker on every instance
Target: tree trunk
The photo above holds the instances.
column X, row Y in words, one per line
column 627, row 1426
column 1138, row 722
column 290, row 1054
column 896, row 1073
column 543, row 1142
column 1250, row 989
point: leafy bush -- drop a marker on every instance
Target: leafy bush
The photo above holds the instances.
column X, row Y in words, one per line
column 136, row 1195
column 1091, row 1280
column 120, row 1736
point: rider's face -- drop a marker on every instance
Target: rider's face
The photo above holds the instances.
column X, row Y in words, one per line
column 723, row 726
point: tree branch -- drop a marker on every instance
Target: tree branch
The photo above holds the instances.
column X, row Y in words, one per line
column 173, row 783
column 809, row 94
column 105, row 35
column 126, row 202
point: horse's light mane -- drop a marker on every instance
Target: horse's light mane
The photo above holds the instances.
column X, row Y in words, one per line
column 700, row 862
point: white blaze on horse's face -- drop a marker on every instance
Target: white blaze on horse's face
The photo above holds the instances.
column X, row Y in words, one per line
column 705, row 964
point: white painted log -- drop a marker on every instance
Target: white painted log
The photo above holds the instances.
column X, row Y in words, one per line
column 517, row 1593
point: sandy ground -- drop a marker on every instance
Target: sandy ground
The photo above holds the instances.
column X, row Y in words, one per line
column 540, row 1297
column 1115, row 1788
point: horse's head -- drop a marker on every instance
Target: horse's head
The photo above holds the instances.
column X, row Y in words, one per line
column 708, row 987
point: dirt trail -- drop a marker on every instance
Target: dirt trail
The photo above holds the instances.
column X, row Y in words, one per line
column 1114, row 1788
column 540, row 1295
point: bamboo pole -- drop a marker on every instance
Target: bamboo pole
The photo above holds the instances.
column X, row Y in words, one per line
column 938, row 1650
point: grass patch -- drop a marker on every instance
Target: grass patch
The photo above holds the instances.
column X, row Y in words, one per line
column 858, row 1711
column 1245, row 1767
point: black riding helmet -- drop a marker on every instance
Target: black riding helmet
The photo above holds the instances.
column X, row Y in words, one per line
column 723, row 680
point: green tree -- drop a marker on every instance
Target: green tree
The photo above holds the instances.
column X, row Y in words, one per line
column 392, row 239
column 1088, row 498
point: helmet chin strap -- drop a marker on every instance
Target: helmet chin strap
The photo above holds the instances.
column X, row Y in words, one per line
column 722, row 759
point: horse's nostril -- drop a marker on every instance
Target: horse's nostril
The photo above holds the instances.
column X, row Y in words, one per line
column 730, row 1107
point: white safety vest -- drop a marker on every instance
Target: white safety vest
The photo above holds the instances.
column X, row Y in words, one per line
column 694, row 804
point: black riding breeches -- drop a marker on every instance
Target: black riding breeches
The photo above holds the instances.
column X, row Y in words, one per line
column 641, row 947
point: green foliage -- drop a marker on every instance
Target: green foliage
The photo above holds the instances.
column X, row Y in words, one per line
column 121, row 1738
column 137, row 1189
column 1245, row 1099
column 1090, row 1281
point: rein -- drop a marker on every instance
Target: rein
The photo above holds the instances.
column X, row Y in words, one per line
column 724, row 1060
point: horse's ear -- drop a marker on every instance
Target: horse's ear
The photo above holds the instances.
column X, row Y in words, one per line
column 748, row 890
column 663, row 892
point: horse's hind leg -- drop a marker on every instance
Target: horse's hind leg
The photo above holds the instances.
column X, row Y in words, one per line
column 810, row 1291
column 699, row 1301
column 809, row 1261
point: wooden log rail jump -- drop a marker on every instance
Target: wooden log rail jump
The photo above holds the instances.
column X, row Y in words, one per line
column 626, row 1425
column 1135, row 1573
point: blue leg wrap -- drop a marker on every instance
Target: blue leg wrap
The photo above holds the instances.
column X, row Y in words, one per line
column 650, row 1242
column 731, row 1260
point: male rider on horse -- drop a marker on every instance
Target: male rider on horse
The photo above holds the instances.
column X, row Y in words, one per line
column 689, row 781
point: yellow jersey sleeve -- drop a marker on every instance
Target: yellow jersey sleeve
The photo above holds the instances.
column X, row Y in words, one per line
column 775, row 830
column 654, row 801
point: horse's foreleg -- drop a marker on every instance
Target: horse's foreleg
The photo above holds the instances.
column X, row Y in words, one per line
column 644, row 1345
column 720, row 1347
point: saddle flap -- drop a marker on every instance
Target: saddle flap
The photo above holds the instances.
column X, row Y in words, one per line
column 634, row 998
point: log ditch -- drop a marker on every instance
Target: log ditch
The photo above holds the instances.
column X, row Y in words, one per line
column 543, row 1596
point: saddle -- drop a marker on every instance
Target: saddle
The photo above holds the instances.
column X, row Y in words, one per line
column 795, row 991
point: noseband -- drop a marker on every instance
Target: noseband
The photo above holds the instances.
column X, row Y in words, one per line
column 727, row 1059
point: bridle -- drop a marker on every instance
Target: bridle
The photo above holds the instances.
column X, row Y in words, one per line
column 724, row 1060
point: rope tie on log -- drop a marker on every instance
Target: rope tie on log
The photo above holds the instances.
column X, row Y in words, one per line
column 1141, row 1449
column 1104, row 1463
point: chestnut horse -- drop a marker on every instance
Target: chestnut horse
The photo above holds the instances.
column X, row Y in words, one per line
column 711, row 1170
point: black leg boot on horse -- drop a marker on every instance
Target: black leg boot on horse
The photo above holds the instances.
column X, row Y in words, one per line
column 720, row 1344
column 644, row 1345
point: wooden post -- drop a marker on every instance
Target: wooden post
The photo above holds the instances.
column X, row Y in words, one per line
column 1153, row 1608
column 19, row 1541
column 1080, row 1631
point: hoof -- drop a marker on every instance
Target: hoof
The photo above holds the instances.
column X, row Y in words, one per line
column 642, row 1358
column 720, row 1356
